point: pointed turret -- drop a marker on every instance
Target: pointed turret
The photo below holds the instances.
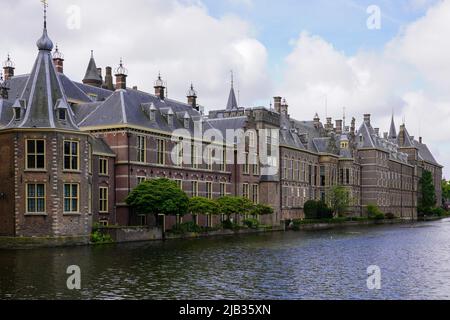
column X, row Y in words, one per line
column 46, row 104
column 392, row 130
column 232, row 101
column 92, row 76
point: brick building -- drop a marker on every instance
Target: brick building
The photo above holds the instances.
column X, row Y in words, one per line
column 70, row 152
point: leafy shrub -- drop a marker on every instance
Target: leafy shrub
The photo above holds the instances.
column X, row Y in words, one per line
column 439, row 212
column 186, row 227
column 317, row 210
column 310, row 209
column 390, row 216
column 374, row 212
column 227, row 224
column 323, row 212
column 97, row 237
column 251, row 223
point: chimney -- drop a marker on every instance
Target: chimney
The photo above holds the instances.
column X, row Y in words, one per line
column 316, row 121
column 284, row 107
column 353, row 126
column 329, row 124
column 135, row 88
column 420, row 140
column 159, row 87
column 99, row 70
column 8, row 69
column 108, row 79
column 401, row 135
column 367, row 118
column 377, row 131
column 121, row 76
column 58, row 60
column 192, row 97
column 338, row 126
column 4, row 88
column 277, row 104
column 385, row 135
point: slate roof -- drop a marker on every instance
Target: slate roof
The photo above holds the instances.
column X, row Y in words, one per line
column 366, row 137
column 101, row 93
column 99, row 147
column 392, row 130
column 91, row 71
column 132, row 106
column 43, row 94
column 425, row 153
column 6, row 113
column 232, row 101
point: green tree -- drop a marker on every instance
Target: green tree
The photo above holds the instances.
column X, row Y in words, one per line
column 338, row 199
column 261, row 210
column 445, row 191
column 230, row 206
column 428, row 193
column 158, row 196
column 202, row 206
column 310, row 209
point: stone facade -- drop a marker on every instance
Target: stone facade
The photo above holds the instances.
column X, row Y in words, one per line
column 125, row 136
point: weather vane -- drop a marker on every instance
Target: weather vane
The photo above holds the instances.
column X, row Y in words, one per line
column 232, row 78
column 45, row 4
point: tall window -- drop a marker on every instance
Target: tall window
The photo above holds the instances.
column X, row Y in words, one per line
column 245, row 191
column 246, row 168
column 103, row 197
column 209, row 190
column 90, row 198
column 223, row 165
column 71, row 155
column 223, row 189
column 179, row 183
column 255, row 193
column 141, row 179
column 103, row 166
column 141, row 146
column 179, row 153
column 194, row 188
column 35, row 154
column 210, row 159
column 35, row 198
column 90, row 159
column 71, row 198
column 322, row 176
column 160, row 151
column 194, row 156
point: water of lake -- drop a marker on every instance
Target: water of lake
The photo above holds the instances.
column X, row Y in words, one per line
column 414, row 260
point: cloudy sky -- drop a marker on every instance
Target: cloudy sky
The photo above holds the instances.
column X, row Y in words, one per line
column 320, row 55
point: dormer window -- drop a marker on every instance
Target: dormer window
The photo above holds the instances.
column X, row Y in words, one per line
column 17, row 114
column 62, row 114
column 152, row 115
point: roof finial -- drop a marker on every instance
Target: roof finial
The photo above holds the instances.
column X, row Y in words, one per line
column 92, row 54
column 232, row 79
column 344, row 117
column 45, row 4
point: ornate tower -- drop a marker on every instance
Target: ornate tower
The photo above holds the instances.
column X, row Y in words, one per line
column 8, row 68
column 48, row 192
column 121, row 75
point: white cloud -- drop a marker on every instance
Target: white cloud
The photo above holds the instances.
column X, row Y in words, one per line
column 178, row 38
column 410, row 75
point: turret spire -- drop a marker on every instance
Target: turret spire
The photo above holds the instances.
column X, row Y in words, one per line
column 44, row 43
column 45, row 4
